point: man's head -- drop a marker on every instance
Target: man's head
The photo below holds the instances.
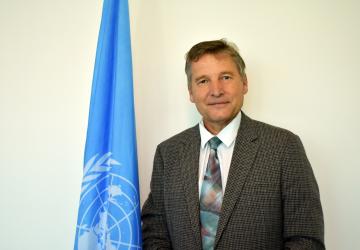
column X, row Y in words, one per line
column 216, row 82
column 213, row 47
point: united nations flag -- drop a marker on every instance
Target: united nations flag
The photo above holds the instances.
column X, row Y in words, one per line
column 109, row 210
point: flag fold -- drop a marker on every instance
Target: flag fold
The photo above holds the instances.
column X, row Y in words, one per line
column 109, row 210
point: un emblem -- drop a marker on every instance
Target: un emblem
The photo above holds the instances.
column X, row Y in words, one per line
column 109, row 208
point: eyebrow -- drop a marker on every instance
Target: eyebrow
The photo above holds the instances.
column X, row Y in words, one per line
column 221, row 73
column 227, row 73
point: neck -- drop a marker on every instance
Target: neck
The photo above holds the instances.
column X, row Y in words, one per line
column 214, row 128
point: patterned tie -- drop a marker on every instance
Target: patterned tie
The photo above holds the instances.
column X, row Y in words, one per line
column 211, row 197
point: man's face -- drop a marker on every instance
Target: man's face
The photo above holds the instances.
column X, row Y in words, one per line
column 217, row 89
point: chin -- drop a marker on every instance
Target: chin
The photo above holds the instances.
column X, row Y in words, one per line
column 220, row 119
column 222, row 116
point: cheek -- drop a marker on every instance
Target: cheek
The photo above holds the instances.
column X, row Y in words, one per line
column 197, row 96
column 237, row 92
column 242, row 89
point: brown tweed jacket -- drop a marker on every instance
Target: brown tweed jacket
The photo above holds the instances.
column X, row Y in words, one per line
column 271, row 200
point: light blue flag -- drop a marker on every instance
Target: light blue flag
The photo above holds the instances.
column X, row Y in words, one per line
column 109, row 210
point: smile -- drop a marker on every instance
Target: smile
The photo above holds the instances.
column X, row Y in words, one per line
column 218, row 104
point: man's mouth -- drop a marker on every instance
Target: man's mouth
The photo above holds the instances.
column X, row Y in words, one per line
column 218, row 104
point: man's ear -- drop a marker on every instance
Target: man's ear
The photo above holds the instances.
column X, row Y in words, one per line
column 191, row 97
column 245, row 84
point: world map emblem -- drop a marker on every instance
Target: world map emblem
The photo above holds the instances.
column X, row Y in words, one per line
column 109, row 208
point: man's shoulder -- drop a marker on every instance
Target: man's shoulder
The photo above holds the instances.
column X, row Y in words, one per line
column 266, row 130
column 190, row 135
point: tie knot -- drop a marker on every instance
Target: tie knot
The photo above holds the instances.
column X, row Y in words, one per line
column 214, row 142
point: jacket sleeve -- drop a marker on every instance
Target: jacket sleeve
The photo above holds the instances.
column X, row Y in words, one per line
column 302, row 212
column 154, row 229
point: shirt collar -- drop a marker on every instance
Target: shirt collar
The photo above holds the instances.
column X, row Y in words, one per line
column 227, row 135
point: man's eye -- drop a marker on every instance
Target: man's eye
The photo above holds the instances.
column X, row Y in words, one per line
column 203, row 81
column 226, row 77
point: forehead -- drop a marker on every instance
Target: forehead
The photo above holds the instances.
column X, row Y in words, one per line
column 213, row 63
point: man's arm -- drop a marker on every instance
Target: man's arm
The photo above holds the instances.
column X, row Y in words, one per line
column 154, row 229
column 302, row 212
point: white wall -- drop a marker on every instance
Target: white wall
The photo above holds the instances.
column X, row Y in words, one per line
column 47, row 52
column 302, row 70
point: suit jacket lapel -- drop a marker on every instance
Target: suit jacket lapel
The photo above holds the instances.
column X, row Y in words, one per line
column 243, row 156
column 190, row 172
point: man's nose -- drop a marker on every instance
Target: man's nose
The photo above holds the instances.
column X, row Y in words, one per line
column 216, row 88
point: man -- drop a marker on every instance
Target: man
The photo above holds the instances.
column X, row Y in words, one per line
column 230, row 182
